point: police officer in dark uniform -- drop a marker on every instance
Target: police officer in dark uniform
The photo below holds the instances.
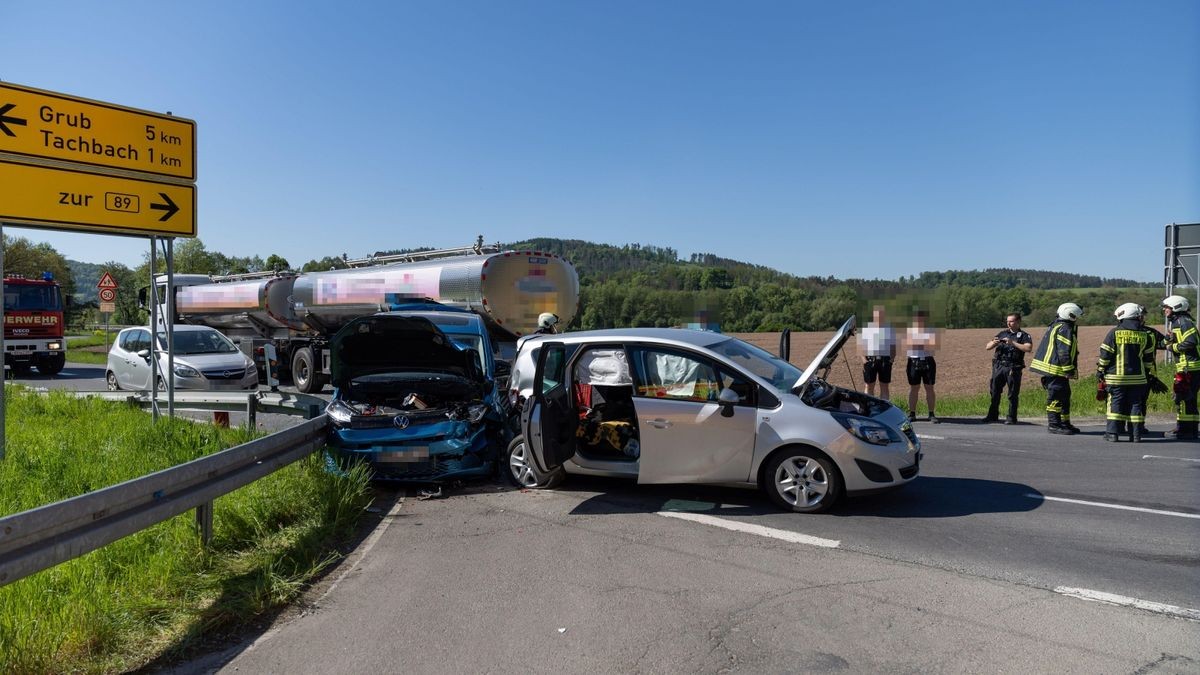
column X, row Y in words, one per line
column 1008, row 362
column 1126, row 358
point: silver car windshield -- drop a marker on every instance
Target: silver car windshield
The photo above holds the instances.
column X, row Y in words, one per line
column 198, row 342
column 781, row 374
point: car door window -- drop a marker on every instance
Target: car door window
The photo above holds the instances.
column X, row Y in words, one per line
column 746, row 390
column 127, row 340
column 676, row 375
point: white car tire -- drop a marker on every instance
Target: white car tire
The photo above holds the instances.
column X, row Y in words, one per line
column 520, row 470
column 802, row 480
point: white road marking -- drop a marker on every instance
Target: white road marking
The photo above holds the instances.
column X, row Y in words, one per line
column 932, row 438
column 748, row 528
column 1114, row 599
column 1182, row 459
column 1114, row 506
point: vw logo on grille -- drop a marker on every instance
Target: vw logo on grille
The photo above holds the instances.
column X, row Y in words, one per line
column 401, row 421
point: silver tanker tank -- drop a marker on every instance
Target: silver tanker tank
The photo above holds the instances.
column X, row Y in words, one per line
column 231, row 305
column 509, row 289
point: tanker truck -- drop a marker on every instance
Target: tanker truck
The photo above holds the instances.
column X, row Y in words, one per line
column 297, row 314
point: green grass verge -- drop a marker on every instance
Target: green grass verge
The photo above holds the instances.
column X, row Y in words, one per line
column 158, row 591
column 1032, row 403
column 77, row 354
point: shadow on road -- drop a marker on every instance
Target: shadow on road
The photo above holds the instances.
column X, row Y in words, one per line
column 72, row 371
column 925, row 497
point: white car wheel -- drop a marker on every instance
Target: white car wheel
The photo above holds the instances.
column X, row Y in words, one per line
column 802, row 481
column 520, row 468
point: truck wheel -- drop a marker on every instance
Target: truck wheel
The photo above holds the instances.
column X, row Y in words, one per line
column 51, row 365
column 304, row 372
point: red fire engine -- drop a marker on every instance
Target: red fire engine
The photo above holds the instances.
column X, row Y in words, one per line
column 33, row 325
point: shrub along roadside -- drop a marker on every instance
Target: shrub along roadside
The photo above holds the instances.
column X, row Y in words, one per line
column 159, row 590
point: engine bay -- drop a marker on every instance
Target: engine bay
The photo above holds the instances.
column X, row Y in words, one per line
column 821, row 394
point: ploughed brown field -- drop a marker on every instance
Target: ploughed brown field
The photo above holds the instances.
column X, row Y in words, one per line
column 963, row 365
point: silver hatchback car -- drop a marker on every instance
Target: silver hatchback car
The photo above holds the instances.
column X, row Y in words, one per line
column 204, row 359
column 681, row 406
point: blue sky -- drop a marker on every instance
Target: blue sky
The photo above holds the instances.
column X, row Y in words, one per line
column 857, row 139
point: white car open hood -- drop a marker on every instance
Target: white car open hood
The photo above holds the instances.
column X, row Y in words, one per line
column 825, row 357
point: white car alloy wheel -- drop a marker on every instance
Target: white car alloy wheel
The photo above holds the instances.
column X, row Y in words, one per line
column 803, row 482
column 520, row 468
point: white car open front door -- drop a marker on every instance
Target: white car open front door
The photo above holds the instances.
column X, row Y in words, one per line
column 696, row 420
column 549, row 419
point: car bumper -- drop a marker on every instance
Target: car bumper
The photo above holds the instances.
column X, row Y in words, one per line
column 436, row 453
column 869, row 468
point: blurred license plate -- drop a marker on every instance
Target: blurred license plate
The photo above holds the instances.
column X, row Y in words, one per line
column 417, row 454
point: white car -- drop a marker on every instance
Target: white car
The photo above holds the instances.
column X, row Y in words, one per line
column 666, row 405
column 204, row 359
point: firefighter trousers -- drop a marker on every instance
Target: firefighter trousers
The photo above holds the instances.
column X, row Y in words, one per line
column 1058, row 397
column 1125, row 406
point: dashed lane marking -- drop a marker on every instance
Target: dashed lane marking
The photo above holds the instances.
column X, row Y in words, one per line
column 932, row 438
column 748, row 528
column 1124, row 601
column 1114, row 506
column 1182, row 459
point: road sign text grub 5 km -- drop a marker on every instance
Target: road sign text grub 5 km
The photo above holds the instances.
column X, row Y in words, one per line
column 35, row 123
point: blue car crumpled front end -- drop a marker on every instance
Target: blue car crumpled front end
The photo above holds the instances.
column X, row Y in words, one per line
column 415, row 448
column 410, row 403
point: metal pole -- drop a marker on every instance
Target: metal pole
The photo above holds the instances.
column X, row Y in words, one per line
column 170, row 319
column 204, row 521
column 153, row 330
column 3, row 368
column 252, row 411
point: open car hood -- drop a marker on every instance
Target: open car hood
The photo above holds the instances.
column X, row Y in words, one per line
column 825, row 357
column 396, row 344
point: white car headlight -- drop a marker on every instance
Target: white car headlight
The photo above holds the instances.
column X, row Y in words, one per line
column 868, row 430
column 186, row 371
column 252, row 370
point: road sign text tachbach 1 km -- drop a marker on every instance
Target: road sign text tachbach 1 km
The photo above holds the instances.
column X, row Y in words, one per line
column 36, row 123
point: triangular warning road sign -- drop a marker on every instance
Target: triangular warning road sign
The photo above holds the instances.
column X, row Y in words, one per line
column 107, row 281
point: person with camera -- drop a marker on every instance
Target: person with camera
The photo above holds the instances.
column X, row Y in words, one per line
column 1009, row 347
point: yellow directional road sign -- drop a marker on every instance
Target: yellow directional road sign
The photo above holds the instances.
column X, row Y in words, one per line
column 81, row 200
column 36, row 123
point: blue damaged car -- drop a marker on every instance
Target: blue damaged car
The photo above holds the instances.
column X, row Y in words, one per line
column 415, row 397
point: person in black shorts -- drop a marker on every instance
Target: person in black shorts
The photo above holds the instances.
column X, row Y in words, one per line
column 921, row 368
column 877, row 347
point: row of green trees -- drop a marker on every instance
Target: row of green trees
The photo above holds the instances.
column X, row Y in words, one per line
column 637, row 285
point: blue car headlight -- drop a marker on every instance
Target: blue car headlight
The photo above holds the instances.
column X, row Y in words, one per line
column 476, row 412
column 339, row 412
column 868, row 430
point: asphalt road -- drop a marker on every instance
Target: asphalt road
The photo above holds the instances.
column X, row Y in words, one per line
column 978, row 565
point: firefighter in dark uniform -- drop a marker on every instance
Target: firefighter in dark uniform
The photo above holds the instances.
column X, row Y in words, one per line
column 547, row 324
column 1008, row 362
column 1056, row 360
column 1156, row 384
column 1182, row 341
column 1126, row 358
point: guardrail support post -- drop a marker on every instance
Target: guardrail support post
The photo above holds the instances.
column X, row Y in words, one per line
column 251, row 411
column 204, row 517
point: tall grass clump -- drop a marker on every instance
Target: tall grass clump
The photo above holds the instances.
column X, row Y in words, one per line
column 157, row 591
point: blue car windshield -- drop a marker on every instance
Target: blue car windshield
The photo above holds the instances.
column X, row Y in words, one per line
column 781, row 374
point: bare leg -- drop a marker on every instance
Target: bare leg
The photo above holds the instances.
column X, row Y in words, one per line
column 883, row 391
column 912, row 399
column 930, row 398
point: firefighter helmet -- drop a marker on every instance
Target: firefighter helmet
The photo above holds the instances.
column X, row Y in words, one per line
column 547, row 320
column 1069, row 311
column 1129, row 310
column 1176, row 303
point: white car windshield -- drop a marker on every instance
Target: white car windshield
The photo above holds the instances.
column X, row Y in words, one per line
column 198, row 342
column 781, row 374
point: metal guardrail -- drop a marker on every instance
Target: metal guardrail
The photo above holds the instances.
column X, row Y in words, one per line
column 250, row 402
column 35, row 540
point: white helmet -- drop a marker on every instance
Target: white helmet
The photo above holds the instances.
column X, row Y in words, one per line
column 1069, row 311
column 1176, row 303
column 1129, row 310
column 547, row 319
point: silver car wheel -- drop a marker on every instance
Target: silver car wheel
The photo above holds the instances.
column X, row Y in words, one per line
column 111, row 379
column 801, row 481
column 518, row 466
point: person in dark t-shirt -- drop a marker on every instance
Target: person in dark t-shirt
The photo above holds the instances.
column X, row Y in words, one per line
column 1008, row 361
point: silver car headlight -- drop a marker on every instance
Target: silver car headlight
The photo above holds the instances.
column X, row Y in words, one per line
column 868, row 430
column 339, row 412
column 186, row 371
column 252, row 370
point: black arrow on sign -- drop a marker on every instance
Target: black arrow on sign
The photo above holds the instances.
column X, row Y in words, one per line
column 169, row 207
column 6, row 120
